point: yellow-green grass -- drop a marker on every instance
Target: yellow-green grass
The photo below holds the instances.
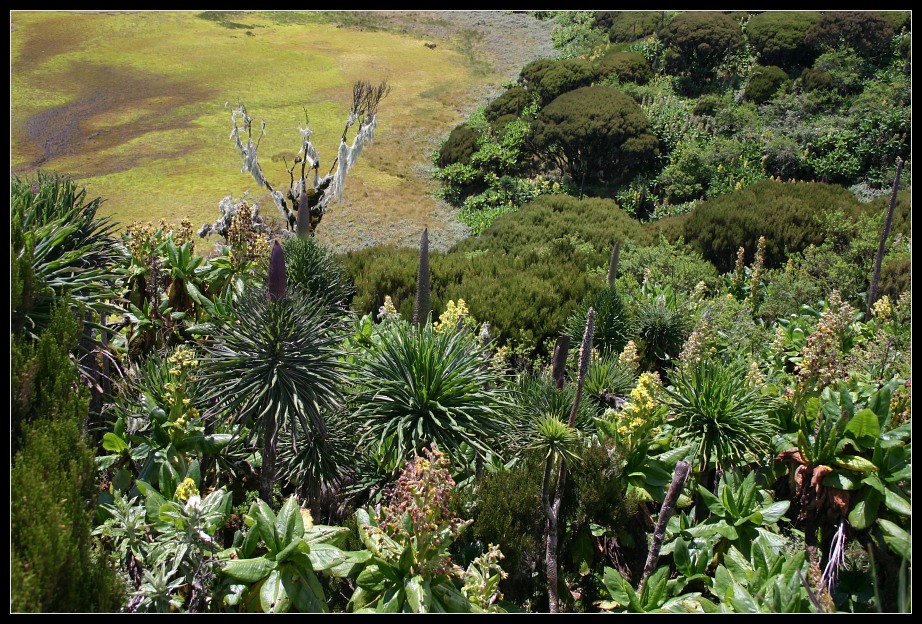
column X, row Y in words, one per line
column 134, row 105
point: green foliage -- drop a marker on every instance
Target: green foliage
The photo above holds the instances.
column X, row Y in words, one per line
column 626, row 67
column 713, row 407
column 698, row 41
column 459, row 146
column 764, row 83
column 410, row 568
column 550, row 78
column 512, row 101
column 275, row 568
column 275, row 365
column 70, row 251
column 783, row 213
column 312, row 266
column 53, row 566
column 867, row 32
column 661, row 322
column 575, row 33
column 777, row 37
column 666, row 263
column 596, row 134
column 627, row 26
column 612, row 326
column 417, row 387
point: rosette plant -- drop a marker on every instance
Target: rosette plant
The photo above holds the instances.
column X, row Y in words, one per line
column 419, row 387
column 275, row 366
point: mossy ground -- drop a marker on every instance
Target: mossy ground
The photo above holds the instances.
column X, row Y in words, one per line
column 133, row 106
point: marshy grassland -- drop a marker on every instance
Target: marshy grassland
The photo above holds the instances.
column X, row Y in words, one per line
column 136, row 106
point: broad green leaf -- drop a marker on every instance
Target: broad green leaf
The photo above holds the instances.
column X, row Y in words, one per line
column 325, row 556
column 864, row 512
column 114, row 443
column 738, row 565
column 453, row 600
column 742, row 601
column 392, row 601
column 352, row 565
column 264, row 519
column 899, row 540
column 288, row 524
column 303, row 588
column 726, row 530
column 272, row 595
column 753, row 518
column 414, row 590
column 618, row 588
column 774, row 512
column 864, row 428
column 897, row 503
column 654, row 590
column 854, row 462
column 712, row 503
column 841, row 481
column 681, row 557
column 372, row 578
column 248, row 570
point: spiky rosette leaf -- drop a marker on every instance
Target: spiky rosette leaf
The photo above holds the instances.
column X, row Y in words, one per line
column 612, row 327
column 713, row 406
column 314, row 267
column 553, row 438
column 276, row 360
column 422, row 387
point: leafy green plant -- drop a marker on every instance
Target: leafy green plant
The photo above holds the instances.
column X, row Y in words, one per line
column 274, row 569
column 410, row 568
column 713, row 407
column 417, row 386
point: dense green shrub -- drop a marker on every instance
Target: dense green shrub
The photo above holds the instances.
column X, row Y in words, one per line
column 783, row 213
column 698, row 41
column 815, row 79
column 764, row 83
column 459, row 146
column 866, row 32
column 53, row 567
column 777, row 37
column 708, row 105
column 548, row 78
column 596, row 134
column 627, row 26
column 512, row 101
column 847, row 70
column 626, row 67
column 676, row 265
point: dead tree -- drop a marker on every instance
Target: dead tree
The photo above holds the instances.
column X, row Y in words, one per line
column 309, row 194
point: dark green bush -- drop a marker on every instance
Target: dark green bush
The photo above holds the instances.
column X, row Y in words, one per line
column 596, row 134
column 512, row 101
column 698, row 41
column 549, row 78
column 626, row 66
column 459, row 146
column 783, row 213
column 667, row 264
column 777, row 37
column 53, row 567
column 627, row 26
column 866, row 32
column 815, row 79
column 708, row 105
column 764, row 83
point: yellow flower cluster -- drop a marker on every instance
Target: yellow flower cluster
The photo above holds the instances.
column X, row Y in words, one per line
column 182, row 361
column 454, row 313
column 882, row 309
column 185, row 490
column 640, row 406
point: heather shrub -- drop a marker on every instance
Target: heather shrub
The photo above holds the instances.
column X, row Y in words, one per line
column 866, row 32
column 512, row 101
column 815, row 79
column 782, row 212
column 549, row 78
column 764, row 83
column 627, row 26
column 697, row 42
column 777, row 37
column 459, row 146
column 667, row 263
column 626, row 67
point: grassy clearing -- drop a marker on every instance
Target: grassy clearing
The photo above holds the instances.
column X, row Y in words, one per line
column 133, row 106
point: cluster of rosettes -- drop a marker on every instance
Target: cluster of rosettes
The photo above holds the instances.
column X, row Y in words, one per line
column 423, row 494
column 640, row 408
column 185, row 490
column 246, row 245
column 454, row 314
column 388, row 312
column 821, row 358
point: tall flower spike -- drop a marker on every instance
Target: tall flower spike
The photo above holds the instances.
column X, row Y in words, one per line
column 421, row 311
column 585, row 353
column 277, row 273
